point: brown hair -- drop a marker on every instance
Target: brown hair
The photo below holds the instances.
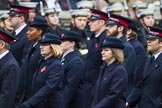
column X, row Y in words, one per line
column 56, row 50
column 133, row 35
column 118, row 54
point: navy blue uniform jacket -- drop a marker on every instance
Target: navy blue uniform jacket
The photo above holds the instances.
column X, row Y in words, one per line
column 20, row 46
column 47, row 84
column 149, row 91
column 109, row 89
column 26, row 73
column 92, row 69
column 140, row 59
column 73, row 66
column 9, row 70
column 129, row 62
column 94, row 59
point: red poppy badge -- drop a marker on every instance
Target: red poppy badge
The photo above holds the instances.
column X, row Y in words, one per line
column 96, row 45
column 43, row 69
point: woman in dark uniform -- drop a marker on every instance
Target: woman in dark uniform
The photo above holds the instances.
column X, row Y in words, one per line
column 72, row 64
column 141, row 54
column 48, row 77
column 112, row 82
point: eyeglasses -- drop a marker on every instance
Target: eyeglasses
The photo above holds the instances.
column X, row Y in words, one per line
column 11, row 16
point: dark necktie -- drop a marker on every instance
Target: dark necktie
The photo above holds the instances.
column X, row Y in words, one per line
column 13, row 33
column 152, row 58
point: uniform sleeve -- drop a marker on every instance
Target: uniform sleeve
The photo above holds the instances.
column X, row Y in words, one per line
column 9, row 86
column 73, row 78
column 52, row 82
column 135, row 95
column 130, row 62
column 118, row 85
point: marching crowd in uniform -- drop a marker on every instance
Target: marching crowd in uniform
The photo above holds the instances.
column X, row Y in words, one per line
column 103, row 60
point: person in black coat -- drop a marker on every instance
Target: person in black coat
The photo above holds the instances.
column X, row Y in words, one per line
column 73, row 65
column 147, row 94
column 48, row 77
column 35, row 32
column 112, row 82
column 116, row 26
column 9, row 70
column 54, row 24
column 18, row 18
column 93, row 59
column 79, row 23
column 141, row 53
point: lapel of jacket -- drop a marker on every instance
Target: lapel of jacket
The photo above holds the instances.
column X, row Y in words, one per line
column 68, row 57
column 103, row 67
column 102, row 72
column 23, row 31
column 4, row 59
column 150, row 68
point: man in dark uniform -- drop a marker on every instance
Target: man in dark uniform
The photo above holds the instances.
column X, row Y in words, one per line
column 9, row 70
column 147, row 94
column 53, row 21
column 93, row 61
column 146, row 18
column 18, row 18
column 79, row 24
column 116, row 27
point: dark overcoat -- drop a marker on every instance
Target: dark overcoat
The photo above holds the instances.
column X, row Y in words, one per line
column 141, row 56
column 149, row 91
column 20, row 46
column 92, row 69
column 129, row 62
column 26, row 73
column 9, row 70
column 73, row 66
column 47, row 84
column 109, row 89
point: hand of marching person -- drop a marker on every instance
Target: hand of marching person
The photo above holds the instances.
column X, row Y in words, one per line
column 126, row 105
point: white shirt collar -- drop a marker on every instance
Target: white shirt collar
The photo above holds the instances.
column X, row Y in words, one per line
column 97, row 35
column 67, row 52
column 35, row 44
column 156, row 55
column 19, row 29
column 3, row 54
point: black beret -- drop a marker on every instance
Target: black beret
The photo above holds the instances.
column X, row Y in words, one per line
column 71, row 35
column 112, row 42
column 39, row 21
column 50, row 38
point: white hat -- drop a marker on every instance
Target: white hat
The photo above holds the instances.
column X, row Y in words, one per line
column 79, row 12
column 114, row 9
column 29, row 4
column 145, row 12
column 140, row 5
column 50, row 11
column 3, row 16
column 85, row 4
